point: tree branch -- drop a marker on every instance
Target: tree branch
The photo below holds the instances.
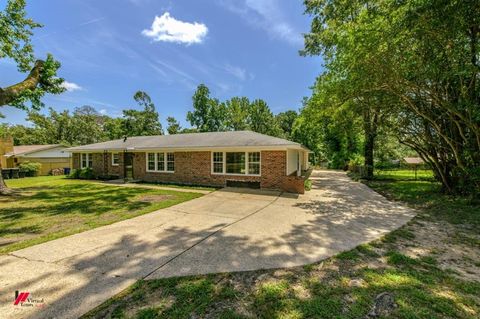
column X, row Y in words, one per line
column 9, row 94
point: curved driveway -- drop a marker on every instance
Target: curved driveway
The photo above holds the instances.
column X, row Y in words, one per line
column 227, row 230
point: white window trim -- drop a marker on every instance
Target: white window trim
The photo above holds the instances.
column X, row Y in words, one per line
column 224, row 158
column 165, row 161
column 87, row 160
column 113, row 163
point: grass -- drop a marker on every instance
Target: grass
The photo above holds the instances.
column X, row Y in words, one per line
column 48, row 207
column 344, row 286
column 404, row 174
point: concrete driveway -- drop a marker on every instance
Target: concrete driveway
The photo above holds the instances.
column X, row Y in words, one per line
column 227, row 230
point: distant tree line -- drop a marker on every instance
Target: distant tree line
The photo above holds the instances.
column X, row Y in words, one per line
column 85, row 125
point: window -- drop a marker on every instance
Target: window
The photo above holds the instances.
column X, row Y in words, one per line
column 236, row 163
column 161, row 162
column 85, row 160
column 170, row 162
column 254, row 163
column 151, row 162
column 115, row 159
column 218, row 162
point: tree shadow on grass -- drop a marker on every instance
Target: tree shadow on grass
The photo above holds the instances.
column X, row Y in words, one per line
column 62, row 208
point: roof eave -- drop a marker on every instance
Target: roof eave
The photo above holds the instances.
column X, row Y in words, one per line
column 38, row 150
column 186, row 148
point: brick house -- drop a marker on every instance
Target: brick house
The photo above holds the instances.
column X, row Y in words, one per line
column 239, row 158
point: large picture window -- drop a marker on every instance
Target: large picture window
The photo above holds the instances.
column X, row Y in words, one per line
column 161, row 162
column 236, row 163
column 85, row 160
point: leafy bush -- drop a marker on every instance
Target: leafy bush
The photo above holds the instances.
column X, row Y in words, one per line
column 83, row 173
column 356, row 164
column 30, row 168
column 308, row 184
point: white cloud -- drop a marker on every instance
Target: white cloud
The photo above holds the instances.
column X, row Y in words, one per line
column 168, row 29
column 70, row 86
column 266, row 15
column 236, row 71
column 103, row 111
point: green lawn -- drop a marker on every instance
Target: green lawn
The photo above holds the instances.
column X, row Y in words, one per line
column 404, row 174
column 430, row 266
column 48, row 207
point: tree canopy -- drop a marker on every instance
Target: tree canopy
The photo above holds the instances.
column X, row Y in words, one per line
column 409, row 69
column 238, row 113
column 16, row 30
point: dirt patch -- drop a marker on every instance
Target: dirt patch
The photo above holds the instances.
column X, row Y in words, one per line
column 155, row 198
column 453, row 246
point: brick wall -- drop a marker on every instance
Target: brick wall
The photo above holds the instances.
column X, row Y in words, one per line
column 75, row 160
column 194, row 168
column 115, row 169
column 293, row 184
column 190, row 168
column 99, row 162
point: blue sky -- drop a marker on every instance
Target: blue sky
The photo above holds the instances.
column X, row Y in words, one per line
column 110, row 49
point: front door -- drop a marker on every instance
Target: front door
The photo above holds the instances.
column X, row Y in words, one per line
column 128, row 165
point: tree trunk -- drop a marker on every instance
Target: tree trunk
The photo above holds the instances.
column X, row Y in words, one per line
column 370, row 130
column 4, row 190
column 368, row 154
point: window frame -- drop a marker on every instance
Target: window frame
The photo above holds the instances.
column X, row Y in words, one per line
column 224, row 162
column 88, row 160
column 113, row 158
column 168, row 161
column 155, row 160
column 259, row 162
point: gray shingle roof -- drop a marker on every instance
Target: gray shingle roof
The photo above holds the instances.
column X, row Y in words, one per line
column 190, row 140
column 25, row 149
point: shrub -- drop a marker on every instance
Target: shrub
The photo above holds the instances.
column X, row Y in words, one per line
column 308, row 184
column 74, row 173
column 83, row 173
column 30, row 168
column 356, row 165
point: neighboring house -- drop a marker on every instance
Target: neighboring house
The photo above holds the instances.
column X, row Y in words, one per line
column 50, row 156
column 240, row 158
